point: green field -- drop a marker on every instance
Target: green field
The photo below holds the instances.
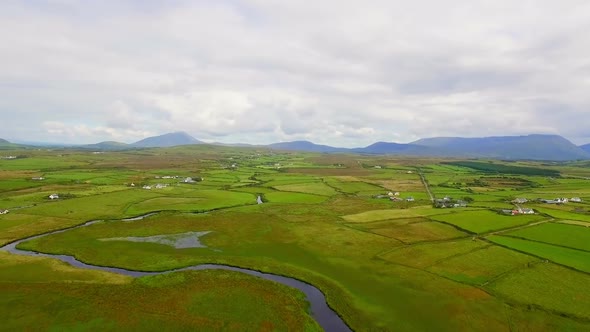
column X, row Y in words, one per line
column 565, row 256
column 484, row 221
column 382, row 265
column 571, row 236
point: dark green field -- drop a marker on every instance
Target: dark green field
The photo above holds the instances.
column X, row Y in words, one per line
column 326, row 219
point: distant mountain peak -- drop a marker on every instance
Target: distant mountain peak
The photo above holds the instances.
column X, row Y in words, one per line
column 167, row 140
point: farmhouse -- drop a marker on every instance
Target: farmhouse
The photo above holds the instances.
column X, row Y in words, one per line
column 146, row 187
column 189, row 180
column 520, row 200
column 53, row 196
column 4, row 211
column 410, row 199
column 527, row 211
column 38, row 178
column 575, row 199
column 161, row 186
column 460, row 203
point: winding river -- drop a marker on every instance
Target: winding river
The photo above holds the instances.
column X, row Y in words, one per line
column 320, row 311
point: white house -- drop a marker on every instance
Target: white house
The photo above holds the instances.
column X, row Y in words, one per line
column 527, row 211
column 575, row 199
column 53, row 196
column 146, row 187
column 520, row 200
column 38, row 178
column 410, row 199
column 160, row 186
column 4, row 211
column 188, row 180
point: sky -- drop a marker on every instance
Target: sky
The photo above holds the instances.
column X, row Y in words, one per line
column 338, row 72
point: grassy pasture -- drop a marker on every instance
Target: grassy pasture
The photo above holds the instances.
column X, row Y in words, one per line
column 315, row 188
column 562, row 214
column 45, row 163
column 201, row 200
column 548, row 286
column 415, row 231
column 376, row 215
column 483, row 221
column 427, row 254
column 104, row 206
column 293, row 197
column 480, row 266
column 354, row 187
column 571, row 236
column 570, row 257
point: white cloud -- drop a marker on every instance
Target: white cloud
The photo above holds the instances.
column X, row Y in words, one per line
column 338, row 72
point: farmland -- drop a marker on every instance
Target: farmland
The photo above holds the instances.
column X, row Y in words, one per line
column 368, row 237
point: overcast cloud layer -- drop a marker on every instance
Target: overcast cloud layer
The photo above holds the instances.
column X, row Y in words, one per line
column 338, row 72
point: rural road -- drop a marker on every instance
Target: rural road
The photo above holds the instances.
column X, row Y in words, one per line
column 425, row 185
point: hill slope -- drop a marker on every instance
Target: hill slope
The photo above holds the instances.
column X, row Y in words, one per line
column 585, row 147
column 304, row 146
column 108, row 145
column 396, row 148
column 167, row 140
column 534, row 147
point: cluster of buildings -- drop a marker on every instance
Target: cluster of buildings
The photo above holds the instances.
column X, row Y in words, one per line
column 518, row 211
column 559, row 200
column 157, row 186
column 395, row 197
column 8, row 157
column 448, row 202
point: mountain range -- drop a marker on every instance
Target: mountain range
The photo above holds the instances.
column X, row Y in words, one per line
column 529, row 147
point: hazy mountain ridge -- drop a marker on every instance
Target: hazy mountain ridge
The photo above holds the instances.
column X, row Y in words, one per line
column 530, row 147
column 108, row 145
column 533, row 147
column 396, row 148
column 167, row 140
column 305, row 146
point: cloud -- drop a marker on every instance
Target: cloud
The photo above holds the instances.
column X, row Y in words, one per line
column 345, row 73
